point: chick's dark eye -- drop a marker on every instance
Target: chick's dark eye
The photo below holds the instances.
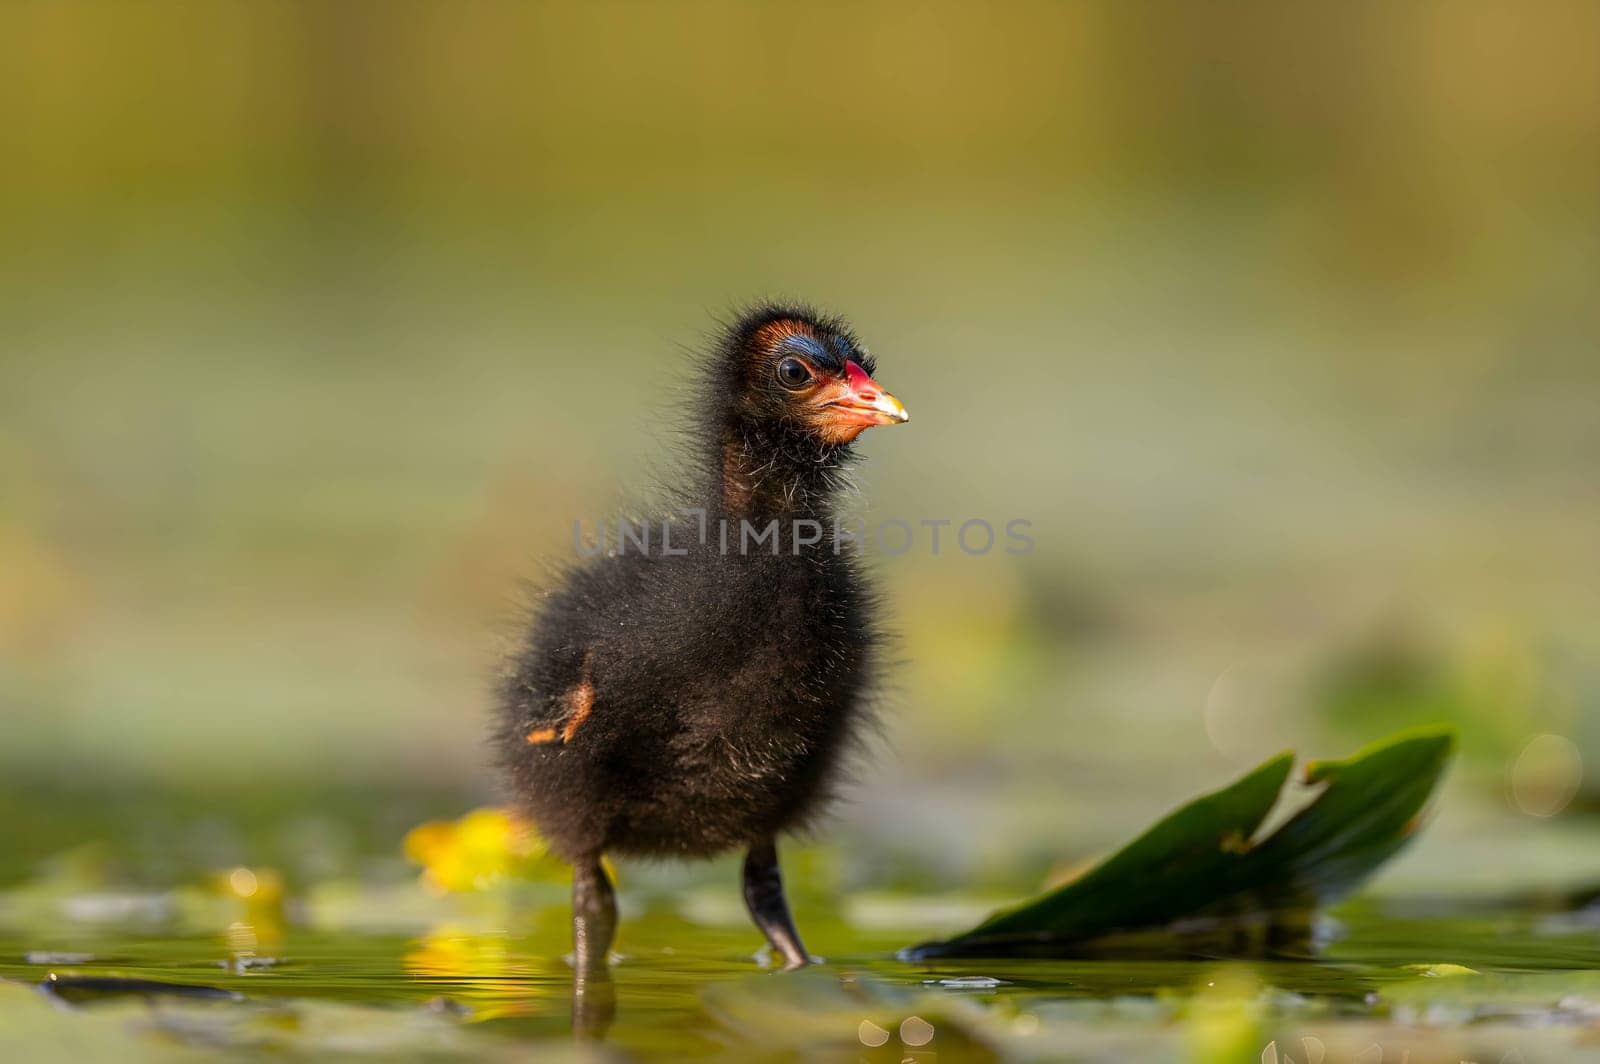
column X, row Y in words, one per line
column 792, row 373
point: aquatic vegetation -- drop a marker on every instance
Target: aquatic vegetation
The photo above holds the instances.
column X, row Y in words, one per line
column 466, row 961
column 1207, row 877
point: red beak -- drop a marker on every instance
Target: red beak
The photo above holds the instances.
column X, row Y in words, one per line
column 859, row 401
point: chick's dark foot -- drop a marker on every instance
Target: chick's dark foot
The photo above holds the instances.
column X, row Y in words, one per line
column 594, row 917
column 763, row 896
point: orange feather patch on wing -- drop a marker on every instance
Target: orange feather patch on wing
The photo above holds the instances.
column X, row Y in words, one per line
column 581, row 698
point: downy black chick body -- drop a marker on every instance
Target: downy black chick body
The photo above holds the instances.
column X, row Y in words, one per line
column 697, row 695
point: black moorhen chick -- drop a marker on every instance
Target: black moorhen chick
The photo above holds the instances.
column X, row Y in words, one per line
column 698, row 695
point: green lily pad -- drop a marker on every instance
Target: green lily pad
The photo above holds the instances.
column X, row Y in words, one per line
column 1204, row 880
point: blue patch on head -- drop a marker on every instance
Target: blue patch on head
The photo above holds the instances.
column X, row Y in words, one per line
column 804, row 345
column 812, row 348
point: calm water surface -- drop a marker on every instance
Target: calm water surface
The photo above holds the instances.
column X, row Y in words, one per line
column 1497, row 984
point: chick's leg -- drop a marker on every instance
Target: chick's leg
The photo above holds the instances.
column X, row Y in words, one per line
column 594, row 916
column 763, row 896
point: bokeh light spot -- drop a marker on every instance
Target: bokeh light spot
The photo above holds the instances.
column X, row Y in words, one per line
column 243, row 882
column 1242, row 710
column 871, row 1034
column 916, row 1031
column 1545, row 776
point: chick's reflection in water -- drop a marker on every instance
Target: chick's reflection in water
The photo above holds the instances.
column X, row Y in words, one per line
column 594, row 1003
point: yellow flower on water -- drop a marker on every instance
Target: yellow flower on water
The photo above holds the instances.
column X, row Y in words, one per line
column 476, row 970
column 482, row 848
column 452, row 952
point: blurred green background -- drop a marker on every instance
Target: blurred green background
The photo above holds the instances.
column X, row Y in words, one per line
column 322, row 322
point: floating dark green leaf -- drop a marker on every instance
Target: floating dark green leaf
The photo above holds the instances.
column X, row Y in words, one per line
column 1204, row 878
